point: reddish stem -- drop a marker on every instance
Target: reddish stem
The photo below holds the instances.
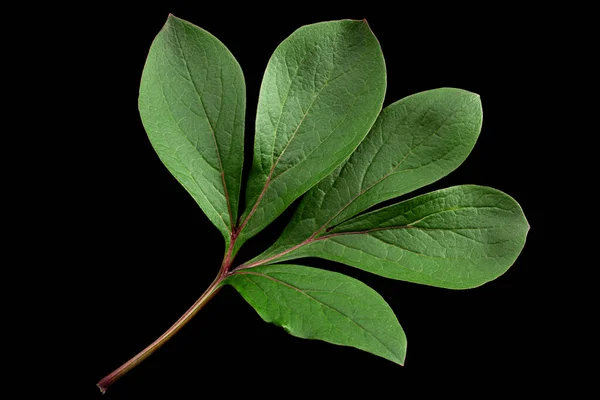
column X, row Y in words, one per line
column 214, row 287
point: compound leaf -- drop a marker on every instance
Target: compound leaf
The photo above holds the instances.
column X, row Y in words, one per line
column 321, row 94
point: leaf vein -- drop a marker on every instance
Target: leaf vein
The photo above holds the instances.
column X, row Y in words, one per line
column 212, row 131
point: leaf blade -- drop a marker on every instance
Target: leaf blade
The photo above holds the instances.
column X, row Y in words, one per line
column 192, row 104
column 457, row 238
column 324, row 305
column 333, row 75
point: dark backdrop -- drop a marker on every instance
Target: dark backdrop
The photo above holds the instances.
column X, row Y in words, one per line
column 149, row 252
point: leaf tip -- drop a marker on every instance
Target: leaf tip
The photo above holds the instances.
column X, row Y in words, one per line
column 364, row 21
column 171, row 21
column 400, row 361
column 474, row 95
column 171, row 18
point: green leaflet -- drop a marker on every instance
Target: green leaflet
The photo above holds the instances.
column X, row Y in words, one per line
column 414, row 142
column 192, row 103
column 322, row 90
column 317, row 304
column 457, row 238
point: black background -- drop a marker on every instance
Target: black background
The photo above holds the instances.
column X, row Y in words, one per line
column 149, row 252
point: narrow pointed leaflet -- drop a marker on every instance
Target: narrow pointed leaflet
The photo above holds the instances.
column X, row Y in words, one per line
column 322, row 90
column 192, row 103
column 312, row 303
